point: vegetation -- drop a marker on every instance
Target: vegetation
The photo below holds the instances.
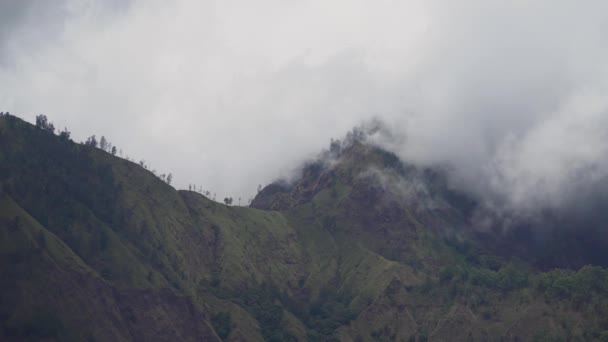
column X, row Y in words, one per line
column 222, row 324
column 96, row 247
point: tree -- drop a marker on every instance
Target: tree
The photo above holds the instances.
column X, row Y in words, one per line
column 43, row 123
column 103, row 143
column 222, row 324
column 169, row 178
column 113, row 150
column 65, row 134
column 335, row 146
column 91, row 141
column 228, row 200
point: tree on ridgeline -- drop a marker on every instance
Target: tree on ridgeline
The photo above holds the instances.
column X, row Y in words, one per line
column 65, row 134
column 91, row 141
column 228, row 200
column 335, row 146
column 43, row 122
column 103, row 143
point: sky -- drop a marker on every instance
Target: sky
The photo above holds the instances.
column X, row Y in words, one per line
column 231, row 94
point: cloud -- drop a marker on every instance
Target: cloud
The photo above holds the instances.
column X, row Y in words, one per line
column 231, row 94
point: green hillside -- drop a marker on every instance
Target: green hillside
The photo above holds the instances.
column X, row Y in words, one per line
column 362, row 248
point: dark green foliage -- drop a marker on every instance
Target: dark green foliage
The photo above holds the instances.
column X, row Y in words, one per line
column 55, row 197
column 329, row 222
column 391, row 161
column 263, row 303
column 41, row 240
column 335, row 147
column 91, row 141
column 43, row 123
column 328, row 312
column 581, row 286
column 222, row 324
column 508, row 278
column 42, row 325
column 446, row 275
column 323, row 316
column 376, row 334
column 65, row 134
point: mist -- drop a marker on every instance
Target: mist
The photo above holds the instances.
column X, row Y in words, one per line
column 230, row 94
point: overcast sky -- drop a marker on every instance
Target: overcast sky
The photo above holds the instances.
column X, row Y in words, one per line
column 232, row 94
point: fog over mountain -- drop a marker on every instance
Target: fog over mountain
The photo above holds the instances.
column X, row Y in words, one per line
column 232, row 94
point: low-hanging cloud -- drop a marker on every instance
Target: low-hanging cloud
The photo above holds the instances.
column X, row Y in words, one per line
column 231, row 94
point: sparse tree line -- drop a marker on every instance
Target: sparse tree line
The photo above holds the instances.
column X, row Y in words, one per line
column 103, row 144
column 107, row 146
column 43, row 123
column 206, row 193
column 227, row 200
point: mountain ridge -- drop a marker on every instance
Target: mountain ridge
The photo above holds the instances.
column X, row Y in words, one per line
column 340, row 254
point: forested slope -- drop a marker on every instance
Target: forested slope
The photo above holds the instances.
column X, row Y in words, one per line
column 362, row 247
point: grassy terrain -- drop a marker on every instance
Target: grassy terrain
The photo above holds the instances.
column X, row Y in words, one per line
column 95, row 247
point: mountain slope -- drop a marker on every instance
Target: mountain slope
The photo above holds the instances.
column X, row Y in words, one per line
column 362, row 247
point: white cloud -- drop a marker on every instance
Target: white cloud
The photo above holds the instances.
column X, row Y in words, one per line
column 230, row 94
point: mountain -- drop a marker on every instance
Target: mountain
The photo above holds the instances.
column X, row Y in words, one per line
column 361, row 247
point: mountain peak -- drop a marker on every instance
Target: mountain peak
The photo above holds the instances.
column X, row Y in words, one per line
column 354, row 249
column 342, row 162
